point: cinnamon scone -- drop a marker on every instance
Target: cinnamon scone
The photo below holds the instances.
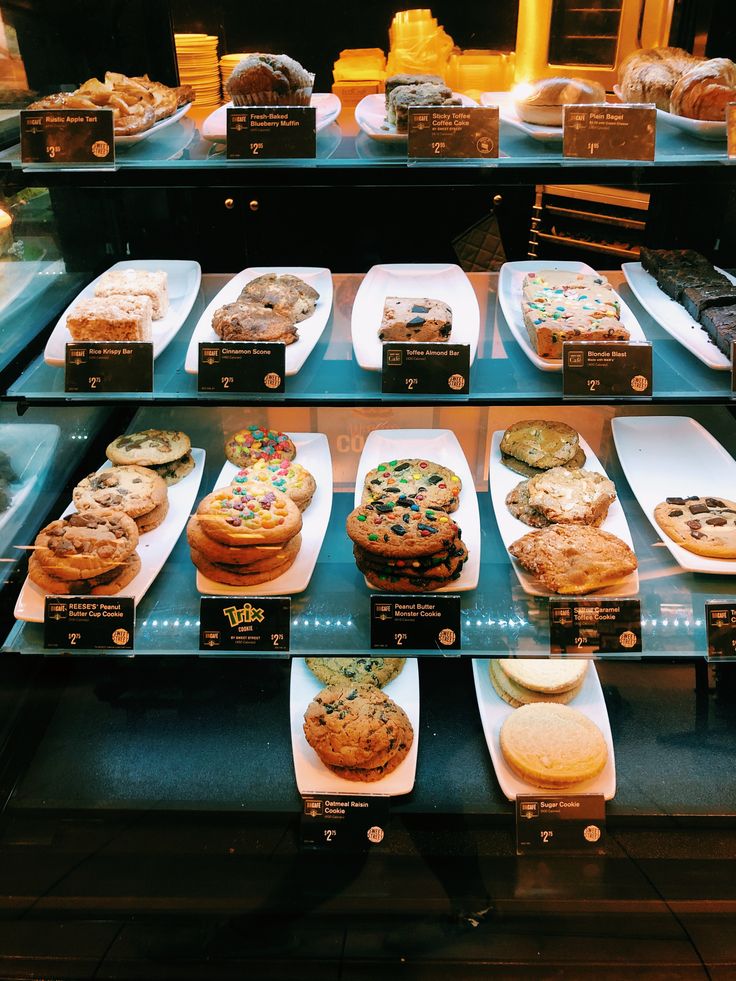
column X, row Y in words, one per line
column 246, row 320
column 572, row 559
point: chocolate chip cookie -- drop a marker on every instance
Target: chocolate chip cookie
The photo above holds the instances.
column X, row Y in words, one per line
column 704, row 525
column 356, row 670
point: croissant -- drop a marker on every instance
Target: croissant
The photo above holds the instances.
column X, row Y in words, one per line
column 705, row 90
column 651, row 74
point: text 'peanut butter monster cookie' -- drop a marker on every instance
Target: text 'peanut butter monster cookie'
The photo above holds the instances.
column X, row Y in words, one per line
column 357, row 731
column 427, row 484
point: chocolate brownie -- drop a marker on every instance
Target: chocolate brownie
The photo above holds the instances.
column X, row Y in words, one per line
column 674, row 280
column 719, row 324
column 696, row 299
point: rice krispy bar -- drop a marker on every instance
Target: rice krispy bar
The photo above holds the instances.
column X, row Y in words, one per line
column 114, row 318
column 137, row 282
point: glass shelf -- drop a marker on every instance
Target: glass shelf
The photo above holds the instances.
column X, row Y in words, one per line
column 333, row 614
column 180, row 153
column 502, row 374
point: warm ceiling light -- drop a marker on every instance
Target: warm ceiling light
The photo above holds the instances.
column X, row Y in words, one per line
column 5, row 220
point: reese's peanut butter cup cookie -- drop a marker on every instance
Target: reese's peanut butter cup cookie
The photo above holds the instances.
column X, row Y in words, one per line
column 106, row 584
column 254, row 443
column 87, row 544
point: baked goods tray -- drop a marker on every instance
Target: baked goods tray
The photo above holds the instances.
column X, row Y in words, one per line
column 674, row 456
column 434, row 280
column 154, row 547
column 310, row 330
column 494, row 712
column 501, row 481
column 313, row 452
column 327, row 104
column 312, row 776
column 30, row 447
column 370, row 115
column 440, row 446
column 133, row 138
column 184, row 277
column 510, row 282
column 673, row 317
column 507, row 112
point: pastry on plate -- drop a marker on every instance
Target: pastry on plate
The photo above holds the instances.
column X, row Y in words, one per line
column 719, row 323
column 541, row 444
column 150, row 447
column 537, row 679
column 286, row 295
column 541, row 101
column 705, row 90
column 137, row 282
column 269, row 79
column 86, row 545
column 356, row 670
column 415, row 319
column 650, row 74
column 571, row 559
column 256, row 443
column 395, row 81
column 407, row 97
column 249, row 320
column 703, row 525
column 132, row 489
column 550, row 745
column 111, row 318
column 105, row 584
column 427, row 484
column 256, row 515
column 358, row 731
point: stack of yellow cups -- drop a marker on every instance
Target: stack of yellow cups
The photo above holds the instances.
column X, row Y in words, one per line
column 196, row 55
column 227, row 63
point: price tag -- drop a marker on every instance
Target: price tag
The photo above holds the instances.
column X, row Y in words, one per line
column 265, row 132
column 720, row 623
column 609, row 131
column 594, row 626
column 53, row 137
column 454, row 131
column 343, row 824
column 731, row 129
column 599, row 370
column 425, row 369
column 109, row 366
column 244, row 623
column 413, row 623
column 91, row 623
column 571, row 825
column 243, row 367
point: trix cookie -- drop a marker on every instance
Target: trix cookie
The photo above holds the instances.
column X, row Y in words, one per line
column 253, row 443
column 253, row 516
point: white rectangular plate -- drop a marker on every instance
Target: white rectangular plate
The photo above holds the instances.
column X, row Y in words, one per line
column 30, row 447
column 156, row 128
column 494, row 712
column 310, row 330
column 328, row 107
column 673, row 317
column 510, row 280
column 501, row 480
column 370, row 115
column 434, row 280
column 507, row 112
column 184, row 278
column 440, row 446
column 313, row 452
column 712, row 130
column 674, row 456
column 154, row 547
column 312, row 776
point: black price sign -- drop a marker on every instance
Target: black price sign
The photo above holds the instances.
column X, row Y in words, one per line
column 574, row 825
column 602, row 369
column 109, row 366
column 425, row 369
column 265, row 132
column 92, row 623
column 244, row 623
column 243, row 367
column 67, row 136
column 343, row 824
column 454, row 131
column 720, row 623
column 411, row 622
column 594, row 626
column 609, row 131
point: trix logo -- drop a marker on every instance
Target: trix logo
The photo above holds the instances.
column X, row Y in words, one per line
column 243, row 614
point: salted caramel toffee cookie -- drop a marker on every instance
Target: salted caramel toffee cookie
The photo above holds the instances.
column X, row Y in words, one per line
column 703, row 525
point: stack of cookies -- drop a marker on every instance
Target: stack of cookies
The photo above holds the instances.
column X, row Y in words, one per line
column 570, row 554
column 165, row 451
column 245, row 535
column 378, row 671
column 526, row 680
column 403, row 539
column 93, row 552
column 267, row 309
column 357, row 731
column 286, row 476
column 136, row 491
column 552, row 745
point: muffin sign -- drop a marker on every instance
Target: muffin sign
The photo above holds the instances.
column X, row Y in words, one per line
column 267, row 132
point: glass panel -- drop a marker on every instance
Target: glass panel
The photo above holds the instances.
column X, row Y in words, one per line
column 584, row 32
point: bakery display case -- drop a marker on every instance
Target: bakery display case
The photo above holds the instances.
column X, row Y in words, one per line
column 162, row 775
